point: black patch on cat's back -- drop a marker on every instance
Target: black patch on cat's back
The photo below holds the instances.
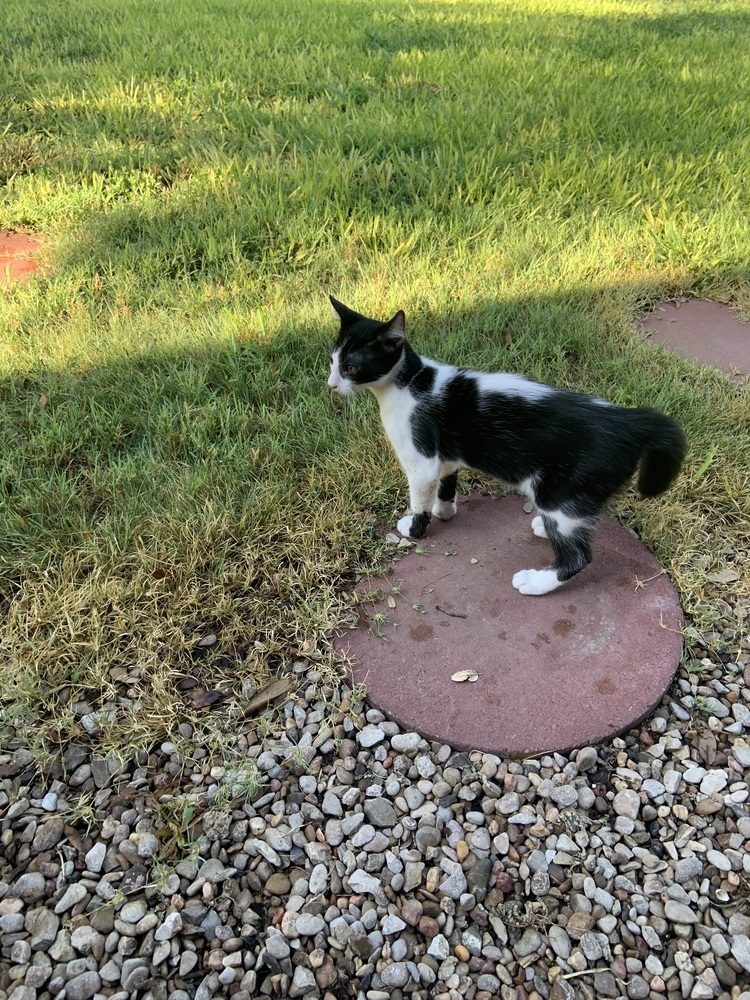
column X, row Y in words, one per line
column 423, row 381
column 463, row 392
column 443, row 422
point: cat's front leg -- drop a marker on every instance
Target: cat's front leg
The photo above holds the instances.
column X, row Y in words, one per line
column 414, row 525
column 422, row 493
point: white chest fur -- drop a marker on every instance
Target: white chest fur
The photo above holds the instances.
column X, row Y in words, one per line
column 396, row 408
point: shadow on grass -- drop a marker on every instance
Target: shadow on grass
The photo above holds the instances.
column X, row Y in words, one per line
column 165, row 496
column 231, row 416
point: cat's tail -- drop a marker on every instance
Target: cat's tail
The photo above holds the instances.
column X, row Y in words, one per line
column 664, row 450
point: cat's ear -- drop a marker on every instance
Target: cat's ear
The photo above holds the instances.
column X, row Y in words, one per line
column 393, row 333
column 346, row 315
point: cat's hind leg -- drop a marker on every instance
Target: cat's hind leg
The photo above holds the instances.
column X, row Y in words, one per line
column 537, row 526
column 445, row 505
column 570, row 539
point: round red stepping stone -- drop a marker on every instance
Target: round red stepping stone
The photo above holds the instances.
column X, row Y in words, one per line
column 707, row 332
column 17, row 256
column 567, row 669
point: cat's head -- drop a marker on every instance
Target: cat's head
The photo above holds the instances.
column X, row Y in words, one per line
column 367, row 352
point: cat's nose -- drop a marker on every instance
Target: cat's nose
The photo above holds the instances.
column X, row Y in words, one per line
column 333, row 380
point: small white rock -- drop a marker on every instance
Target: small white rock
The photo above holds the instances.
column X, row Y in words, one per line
column 94, row 858
column 439, row 948
column 714, row 781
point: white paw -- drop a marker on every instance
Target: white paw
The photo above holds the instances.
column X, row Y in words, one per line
column 535, row 581
column 444, row 509
column 404, row 526
column 537, row 526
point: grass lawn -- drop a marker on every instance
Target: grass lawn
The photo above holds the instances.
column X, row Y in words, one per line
column 180, row 496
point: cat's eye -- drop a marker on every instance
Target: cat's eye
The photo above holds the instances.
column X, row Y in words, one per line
column 351, row 369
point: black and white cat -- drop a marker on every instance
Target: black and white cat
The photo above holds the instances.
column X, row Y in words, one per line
column 567, row 452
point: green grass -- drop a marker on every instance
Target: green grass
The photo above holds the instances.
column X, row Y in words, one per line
column 171, row 463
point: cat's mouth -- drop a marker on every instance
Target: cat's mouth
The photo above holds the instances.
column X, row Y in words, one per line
column 347, row 389
column 342, row 387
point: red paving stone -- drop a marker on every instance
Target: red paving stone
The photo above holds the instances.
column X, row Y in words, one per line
column 17, row 257
column 707, row 332
column 567, row 669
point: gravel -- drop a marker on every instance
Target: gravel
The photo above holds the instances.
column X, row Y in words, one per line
column 372, row 863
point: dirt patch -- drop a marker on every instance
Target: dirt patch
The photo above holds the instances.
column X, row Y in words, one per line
column 19, row 257
column 707, row 332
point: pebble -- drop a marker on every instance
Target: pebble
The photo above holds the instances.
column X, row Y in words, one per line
column 586, row 759
column 714, row 781
column 85, row 939
column 740, row 949
column 278, row 884
column 687, row 869
column 578, row 924
column 508, row 804
column 318, row 880
column 741, row 752
column 627, row 803
column 30, row 887
column 719, row 860
column 277, row 946
column 361, row 882
column 94, row 858
column 133, row 911
column 370, row 736
column 529, row 943
column 559, row 940
column 72, row 896
column 48, row 834
column 42, row 925
column 395, row 975
column 83, row 986
column 309, row 924
column 303, row 982
column 564, row 795
column 392, row 924
column 680, row 913
column 171, row 926
column 694, row 775
column 439, row 948
column 403, row 742
column 380, row 813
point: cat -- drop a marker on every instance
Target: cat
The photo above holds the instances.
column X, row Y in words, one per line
column 569, row 453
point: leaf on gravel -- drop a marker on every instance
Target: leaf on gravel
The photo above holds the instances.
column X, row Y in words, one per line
column 707, row 747
column 270, row 693
column 205, row 699
column 75, row 839
column 724, row 576
column 465, row 675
